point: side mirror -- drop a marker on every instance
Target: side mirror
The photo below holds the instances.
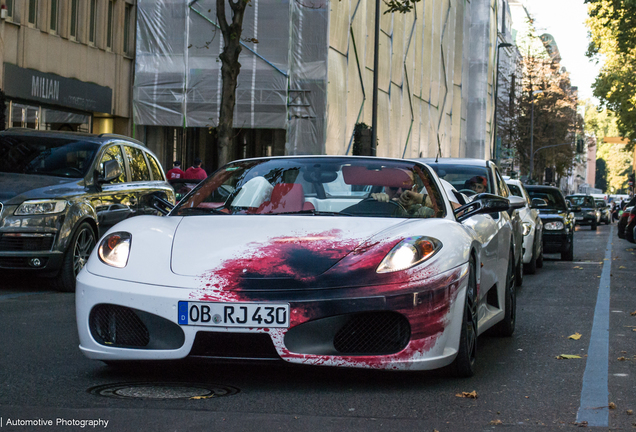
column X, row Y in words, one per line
column 110, row 172
column 538, row 203
column 517, row 202
column 482, row 204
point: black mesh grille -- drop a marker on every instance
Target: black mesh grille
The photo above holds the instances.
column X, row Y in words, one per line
column 18, row 244
column 235, row 345
column 118, row 326
column 373, row 333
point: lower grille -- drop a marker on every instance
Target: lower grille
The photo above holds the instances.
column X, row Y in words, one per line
column 118, row 326
column 373, row 333
column 19, row 262
column 234, row 345
column 26, row 242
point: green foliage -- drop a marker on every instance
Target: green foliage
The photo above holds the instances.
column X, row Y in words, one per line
column 612, row 25
column 600, row 180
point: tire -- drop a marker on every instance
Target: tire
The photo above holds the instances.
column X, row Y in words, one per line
column 506, row 327
column 540, row 259
column 79, row 249
column 568, row 255
column 531, row 267
column 519, row 273
column 464, row 364
column 593, row 227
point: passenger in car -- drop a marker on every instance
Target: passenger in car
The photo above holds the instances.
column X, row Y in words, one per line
column 415, row 203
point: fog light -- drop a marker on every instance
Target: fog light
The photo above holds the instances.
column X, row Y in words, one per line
column 35, row 262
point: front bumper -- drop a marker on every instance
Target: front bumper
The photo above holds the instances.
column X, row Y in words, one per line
column 31, row 242
column 585, row 219
column 432, row 310
column 555, row 241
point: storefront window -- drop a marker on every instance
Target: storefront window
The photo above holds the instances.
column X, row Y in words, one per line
column 25, row 116
column 66, row 121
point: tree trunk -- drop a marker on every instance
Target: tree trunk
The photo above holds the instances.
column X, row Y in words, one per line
column 230, row 69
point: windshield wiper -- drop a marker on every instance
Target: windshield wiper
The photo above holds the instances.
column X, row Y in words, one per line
column 200, row 210
column 317, row 213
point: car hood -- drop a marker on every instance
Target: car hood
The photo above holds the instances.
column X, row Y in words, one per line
column 15, row 188
column 269, row 246
column 552, row 214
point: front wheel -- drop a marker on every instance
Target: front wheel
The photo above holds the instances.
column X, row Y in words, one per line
column 464, row 364
column 79, row 249
column 593, row 227
column 506, row 327
column 568, row 255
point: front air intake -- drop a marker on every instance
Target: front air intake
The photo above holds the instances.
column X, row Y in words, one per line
column 373, row 333
column 118, row 326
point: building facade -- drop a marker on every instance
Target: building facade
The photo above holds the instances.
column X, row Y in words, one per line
column 307, row 76
column 68, row 64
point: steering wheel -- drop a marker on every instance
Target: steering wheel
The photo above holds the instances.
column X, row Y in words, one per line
column 468, row 192
column 370, row 206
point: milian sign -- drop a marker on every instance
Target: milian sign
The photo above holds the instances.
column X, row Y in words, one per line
column 34, row 85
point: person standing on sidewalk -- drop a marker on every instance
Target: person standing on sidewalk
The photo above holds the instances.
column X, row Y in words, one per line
column 195, row 171
column 176, row 172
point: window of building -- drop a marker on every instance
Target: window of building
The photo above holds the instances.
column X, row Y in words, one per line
column 9, row 4
column 73, row 20
column 92, row 21
column 33, row 12
column 109, row 28
column 128, row 29
column 54, row 16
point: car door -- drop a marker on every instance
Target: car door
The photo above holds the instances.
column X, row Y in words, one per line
column 112, row 201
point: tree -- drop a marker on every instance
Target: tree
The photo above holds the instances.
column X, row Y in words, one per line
column 231, row 67
column 612, row 25
column 600, row 178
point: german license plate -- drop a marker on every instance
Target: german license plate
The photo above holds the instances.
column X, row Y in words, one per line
column 233, row 314
column 579, row 218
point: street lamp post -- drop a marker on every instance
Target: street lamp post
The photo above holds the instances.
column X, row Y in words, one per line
column 376, row 76
column 532, row 132
column 494, row 145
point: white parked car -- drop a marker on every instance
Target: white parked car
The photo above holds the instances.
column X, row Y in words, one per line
column 532, row 229
column 319, row 260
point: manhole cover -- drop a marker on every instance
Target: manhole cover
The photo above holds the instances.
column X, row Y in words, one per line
column 163, row 390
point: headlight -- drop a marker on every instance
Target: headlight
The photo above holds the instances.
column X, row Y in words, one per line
column 115, row 248
column 527, row 227
column 40, row 207
column 409, row 252
column 554, row 226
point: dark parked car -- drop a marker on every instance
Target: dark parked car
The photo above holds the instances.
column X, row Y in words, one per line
column 622, row 222
column 585, row 211
column 558, row 220
column 59, row 191
column 631, row 225
column 605, row 210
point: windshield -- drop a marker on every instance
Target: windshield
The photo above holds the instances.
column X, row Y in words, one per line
column 553, row 198
column 317, row 186
column 465, row 178
column 61, row 157
column 580, row 201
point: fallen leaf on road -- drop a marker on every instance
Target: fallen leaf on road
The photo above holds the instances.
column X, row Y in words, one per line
column 621, row 267
column 581, row 424
column 575, row 336
column 471, row 395
column 577, row 267
column 496, row 422
column 630, row 412
column 612, row 405
column 621, row 359
column 567, row 357
column 201, row 397
column 633, row 313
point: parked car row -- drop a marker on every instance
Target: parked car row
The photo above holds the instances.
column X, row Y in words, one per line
column 626, row 226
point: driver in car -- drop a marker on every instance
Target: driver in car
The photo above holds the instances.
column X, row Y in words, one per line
column 478, row 184
column 414, row 203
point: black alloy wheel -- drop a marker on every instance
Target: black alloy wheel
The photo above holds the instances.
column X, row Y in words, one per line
column 593, row 227
column 531, row 267
column 464, row 364
column 568, row 254
column 80, row 248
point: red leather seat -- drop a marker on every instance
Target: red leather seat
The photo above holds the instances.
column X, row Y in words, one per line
column 286, row 197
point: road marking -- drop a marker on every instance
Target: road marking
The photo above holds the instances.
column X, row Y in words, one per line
column 594, row 408
column 14, row 295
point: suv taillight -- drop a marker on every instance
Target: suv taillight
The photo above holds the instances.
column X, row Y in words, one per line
column 630, row 218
